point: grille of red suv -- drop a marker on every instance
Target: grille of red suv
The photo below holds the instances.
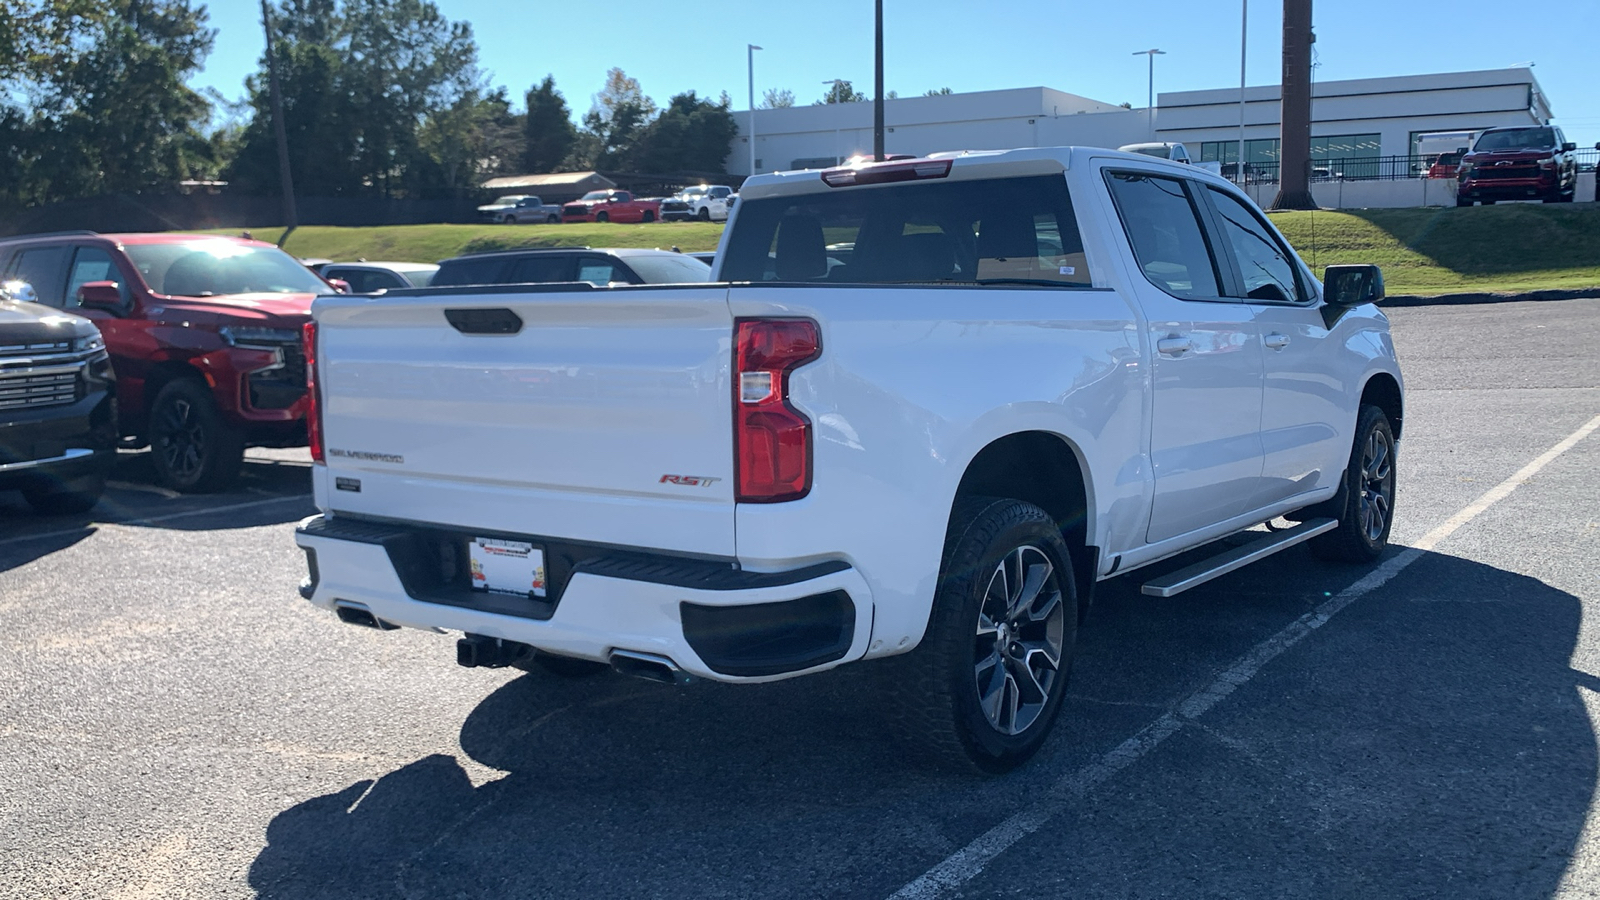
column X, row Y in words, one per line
column 1519, row 170
column 39, row 375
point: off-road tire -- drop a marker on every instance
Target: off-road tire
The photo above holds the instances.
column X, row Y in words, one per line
column 552, row 220
column 933, row 691
column 193, row 449
column 1365, row 483
column 705, row 214
column 70, row 498
column 508, row 220
column 602, row 217
column 647, row 217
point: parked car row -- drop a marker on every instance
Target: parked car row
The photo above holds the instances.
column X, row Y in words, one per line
column 706, row 202
column 191, row 344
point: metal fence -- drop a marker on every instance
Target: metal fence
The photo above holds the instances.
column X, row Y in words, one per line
column 1372, row 168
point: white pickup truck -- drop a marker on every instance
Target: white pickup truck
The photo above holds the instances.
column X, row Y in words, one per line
column 929, row 404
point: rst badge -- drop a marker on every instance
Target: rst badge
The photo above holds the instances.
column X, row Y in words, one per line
column 689, row 480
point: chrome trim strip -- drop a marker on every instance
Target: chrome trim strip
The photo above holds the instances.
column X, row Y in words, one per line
column 75, row 453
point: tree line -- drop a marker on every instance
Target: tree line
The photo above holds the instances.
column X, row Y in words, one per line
column 381, row 98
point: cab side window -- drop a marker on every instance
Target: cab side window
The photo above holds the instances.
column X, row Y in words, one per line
column 91, row 264
column 1266, row 266
column 44, row 268
column 1163, row 226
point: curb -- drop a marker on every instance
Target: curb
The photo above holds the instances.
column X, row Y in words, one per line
column 1488, row 297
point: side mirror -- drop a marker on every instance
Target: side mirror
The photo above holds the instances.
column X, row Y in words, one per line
column 18, row 292
column 102, row 295
column 339, row 285
column 1568, row 147
column 1352, row 285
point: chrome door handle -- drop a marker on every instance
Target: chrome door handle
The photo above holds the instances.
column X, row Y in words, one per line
column 1276, row 341
column 1174, row 346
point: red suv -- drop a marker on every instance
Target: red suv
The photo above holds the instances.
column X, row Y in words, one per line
column 204, row 336
column 1524, row 163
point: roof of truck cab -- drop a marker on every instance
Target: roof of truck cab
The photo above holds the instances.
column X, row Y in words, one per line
column 965, row 164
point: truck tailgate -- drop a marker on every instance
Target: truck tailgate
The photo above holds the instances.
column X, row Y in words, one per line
column 605, row 417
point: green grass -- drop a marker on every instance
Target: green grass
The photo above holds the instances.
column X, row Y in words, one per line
column 1515, row 247
column 431, row 243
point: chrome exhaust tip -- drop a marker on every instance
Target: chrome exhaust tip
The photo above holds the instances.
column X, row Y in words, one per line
column 649, row 666
column 358, row 614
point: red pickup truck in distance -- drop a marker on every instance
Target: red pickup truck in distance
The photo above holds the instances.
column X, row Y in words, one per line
column 611, row 206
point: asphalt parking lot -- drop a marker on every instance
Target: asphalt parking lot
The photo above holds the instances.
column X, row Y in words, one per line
column 176, row 722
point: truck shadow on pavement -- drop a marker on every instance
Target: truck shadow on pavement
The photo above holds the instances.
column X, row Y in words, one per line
column 1428, row 741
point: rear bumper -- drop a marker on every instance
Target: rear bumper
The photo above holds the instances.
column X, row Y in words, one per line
column 712, row 620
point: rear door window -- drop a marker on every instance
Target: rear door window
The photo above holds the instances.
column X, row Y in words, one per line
column 989, row 231
column 1162, row 222
column 548, row 268
column 456, row 272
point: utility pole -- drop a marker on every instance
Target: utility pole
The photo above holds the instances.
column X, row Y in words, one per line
column 1294, row 157
column 285, row 179
column 1150, row 88
column 877, row 100
column 750, row 53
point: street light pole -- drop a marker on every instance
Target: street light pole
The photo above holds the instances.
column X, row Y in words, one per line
column 750, row 54
column 877, row 88
column 1244, row 31
column 1150, row 101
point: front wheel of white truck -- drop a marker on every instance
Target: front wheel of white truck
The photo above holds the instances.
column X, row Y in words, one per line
column 1364, row 505
column 983, row 688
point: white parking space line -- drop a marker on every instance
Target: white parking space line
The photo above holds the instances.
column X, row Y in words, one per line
column 155, row 520
column 967, row 862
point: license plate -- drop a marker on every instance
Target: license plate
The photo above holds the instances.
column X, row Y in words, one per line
column 507, row 567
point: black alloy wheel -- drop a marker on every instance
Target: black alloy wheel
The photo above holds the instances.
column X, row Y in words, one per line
column 1364, row 505
column 982, row 690
column 192, row 448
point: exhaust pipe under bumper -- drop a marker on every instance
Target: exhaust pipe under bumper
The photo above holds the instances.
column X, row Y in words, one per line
column 648, row 666
column 356, row 614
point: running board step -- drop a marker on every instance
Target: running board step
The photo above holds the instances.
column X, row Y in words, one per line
column 1237, row 558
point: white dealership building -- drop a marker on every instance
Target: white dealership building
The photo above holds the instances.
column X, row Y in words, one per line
column 1355, row 119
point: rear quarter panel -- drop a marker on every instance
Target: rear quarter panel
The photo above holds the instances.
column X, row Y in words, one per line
column 912, row 383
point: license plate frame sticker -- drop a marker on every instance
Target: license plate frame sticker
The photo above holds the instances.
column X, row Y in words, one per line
column 507, row 567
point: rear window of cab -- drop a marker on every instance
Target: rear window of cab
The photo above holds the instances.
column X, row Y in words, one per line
column 987, row 231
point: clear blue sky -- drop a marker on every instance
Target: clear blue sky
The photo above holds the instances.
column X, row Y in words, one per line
column 1083, row 48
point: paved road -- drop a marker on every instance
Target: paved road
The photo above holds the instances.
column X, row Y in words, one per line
column 175, row 722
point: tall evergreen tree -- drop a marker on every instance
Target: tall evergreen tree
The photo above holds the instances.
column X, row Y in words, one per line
column 547, row 129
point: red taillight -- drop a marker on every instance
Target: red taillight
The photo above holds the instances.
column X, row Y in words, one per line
column 308, row 335
column 772, row 439
column 886, row 172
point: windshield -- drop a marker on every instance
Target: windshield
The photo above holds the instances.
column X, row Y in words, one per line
column 1517, row 139
column 212, row 268
column 1159, row 151
column 596, row 195
column 507, row 201
column 692, row 191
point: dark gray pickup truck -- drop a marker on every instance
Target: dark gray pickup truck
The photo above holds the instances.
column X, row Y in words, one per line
column 57, row 405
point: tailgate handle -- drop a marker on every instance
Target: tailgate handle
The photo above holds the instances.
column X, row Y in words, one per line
column 498, row 320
